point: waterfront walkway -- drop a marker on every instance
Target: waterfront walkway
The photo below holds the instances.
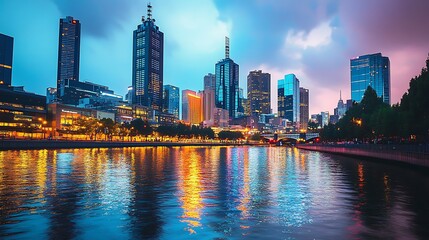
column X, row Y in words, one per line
column 417, row 155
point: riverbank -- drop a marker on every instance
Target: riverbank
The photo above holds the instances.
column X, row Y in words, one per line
column 61, row 144
column 412, row 155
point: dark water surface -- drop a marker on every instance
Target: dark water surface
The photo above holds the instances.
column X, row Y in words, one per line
column 208, row 193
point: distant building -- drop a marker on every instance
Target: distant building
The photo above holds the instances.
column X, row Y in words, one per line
column 51, row 95
column 341, row 108
column 191, row 107
column 324, row 119
column 259, row 92
column 210, row 82
column 227, row 84
column 72, row 91
column 68, row 53
column 129, row 95
column 288, row 99
column 148, row 63
column 171, row 100
column 303, row 108
column 221, row 117
column 333, row 119
column 370, row 70
column 208, row 106
column 6, row 56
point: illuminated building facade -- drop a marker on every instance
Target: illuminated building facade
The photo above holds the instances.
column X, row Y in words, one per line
column 21, row 111
column 191, row 107
column 370, row 70
column 148, row 63
column 259, row 92
column 68, row 52
column 6, row 55
column 210, row 82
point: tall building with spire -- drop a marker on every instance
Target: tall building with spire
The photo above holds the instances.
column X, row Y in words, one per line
column 148, row 63
column 227, row 84
column 341, row 108
column 68, row 53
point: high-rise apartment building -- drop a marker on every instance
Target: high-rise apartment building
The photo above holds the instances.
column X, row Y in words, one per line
column 68, row 53
column 191, row 107
column 227, row 84
column 259, row 92
column 148, row 62
column 288, row 98
column 303, row 108
column 210, row 82
column 370, row 70
column 6, row 55
column 171, row 100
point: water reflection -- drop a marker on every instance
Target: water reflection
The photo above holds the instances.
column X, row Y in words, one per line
column 213, row 192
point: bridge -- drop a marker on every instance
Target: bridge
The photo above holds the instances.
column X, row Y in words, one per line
column 294, row 136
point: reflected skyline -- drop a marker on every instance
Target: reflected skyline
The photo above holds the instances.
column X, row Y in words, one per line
column 206, row 192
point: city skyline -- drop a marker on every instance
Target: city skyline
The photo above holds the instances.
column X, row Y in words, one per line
column 301, row 46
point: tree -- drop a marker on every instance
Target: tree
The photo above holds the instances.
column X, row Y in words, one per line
column 230, row 135
column 141, row 127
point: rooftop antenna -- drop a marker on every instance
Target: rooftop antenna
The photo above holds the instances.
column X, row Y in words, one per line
column 340, row 94
column 142, row 18
column 226, row 47
column 149, row 11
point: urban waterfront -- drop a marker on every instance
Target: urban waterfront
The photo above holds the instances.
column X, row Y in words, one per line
column 208, row 193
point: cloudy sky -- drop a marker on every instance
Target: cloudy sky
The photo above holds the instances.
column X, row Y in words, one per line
column 315, row 39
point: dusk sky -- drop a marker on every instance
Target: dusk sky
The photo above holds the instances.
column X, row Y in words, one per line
column 311, row 38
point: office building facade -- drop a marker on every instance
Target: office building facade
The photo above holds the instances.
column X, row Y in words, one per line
column 148, row 63
column 370, row 70
column 6, row 56
column 259, row 92
column 288, row 99
column 68, row 52
column 171, row 100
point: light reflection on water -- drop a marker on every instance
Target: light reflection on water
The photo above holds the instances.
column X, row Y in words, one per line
column 207, row 192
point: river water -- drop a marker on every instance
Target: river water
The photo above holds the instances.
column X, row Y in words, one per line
column 208, row 193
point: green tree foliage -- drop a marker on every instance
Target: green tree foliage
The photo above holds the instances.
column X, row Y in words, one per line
column 185, row 131
column 230, row 135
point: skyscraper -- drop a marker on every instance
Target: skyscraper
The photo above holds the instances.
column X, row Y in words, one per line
column 191, row 107
column 227, row 82
column 148, row 63
column 370, row 70
column 210, row 82
column 68, row 52
column 259, row 92
column 171, row 100
column 6, row 55
column 288, row 98
column 303, row 108
column 341, row 108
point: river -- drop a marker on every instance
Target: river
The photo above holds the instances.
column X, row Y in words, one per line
column 208, row 193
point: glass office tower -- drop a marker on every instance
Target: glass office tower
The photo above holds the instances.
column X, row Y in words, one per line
column 171, row 100
column 148, row 63
column 288, row 98
column 68, row 53
column 370, row 70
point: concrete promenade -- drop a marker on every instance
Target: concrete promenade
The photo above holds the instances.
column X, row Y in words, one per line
column 417, row 155
column 62, row 144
